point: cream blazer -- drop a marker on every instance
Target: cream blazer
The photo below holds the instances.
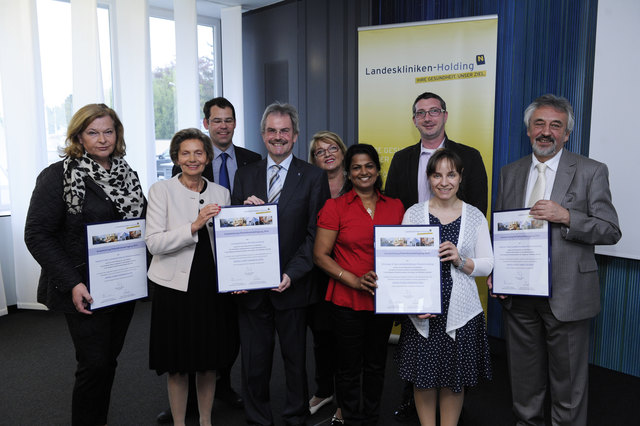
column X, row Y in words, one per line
column 171, row 210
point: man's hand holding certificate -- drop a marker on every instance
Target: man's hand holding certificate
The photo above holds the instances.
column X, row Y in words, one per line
column 247, row 248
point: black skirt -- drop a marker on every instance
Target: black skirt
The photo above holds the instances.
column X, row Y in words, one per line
column 196, row 330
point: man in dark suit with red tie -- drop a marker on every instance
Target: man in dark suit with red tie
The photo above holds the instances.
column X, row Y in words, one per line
column 300, row 190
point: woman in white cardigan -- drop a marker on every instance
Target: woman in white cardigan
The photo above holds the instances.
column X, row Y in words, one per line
column 442, row 354
column 191, row 324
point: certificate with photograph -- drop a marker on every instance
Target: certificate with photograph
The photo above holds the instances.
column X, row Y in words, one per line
column 247, row 247
column 116, row 262
column 408, row 269
column 522, row 254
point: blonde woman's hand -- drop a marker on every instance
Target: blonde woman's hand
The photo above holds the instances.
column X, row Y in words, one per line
column 81, row 298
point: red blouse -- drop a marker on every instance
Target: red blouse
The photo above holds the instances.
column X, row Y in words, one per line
column 353, row 249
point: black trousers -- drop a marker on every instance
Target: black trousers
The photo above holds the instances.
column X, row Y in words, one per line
column 362, row 338
column 257, row 341
column 324, row 348
column 98, row 340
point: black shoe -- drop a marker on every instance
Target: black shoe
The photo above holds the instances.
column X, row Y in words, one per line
column 406, row 411
column 231, row 397
column 164, row 417
column 336, row 421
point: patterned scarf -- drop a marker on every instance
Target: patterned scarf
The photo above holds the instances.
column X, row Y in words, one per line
column 121, row 184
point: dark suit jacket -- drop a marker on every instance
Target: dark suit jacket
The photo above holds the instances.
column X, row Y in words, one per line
column 581, row 186
column 243, row 157
column 402, row 179
column 304, row 192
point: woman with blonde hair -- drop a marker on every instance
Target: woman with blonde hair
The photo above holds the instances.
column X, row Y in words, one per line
column 326, row 151
column 93, row 183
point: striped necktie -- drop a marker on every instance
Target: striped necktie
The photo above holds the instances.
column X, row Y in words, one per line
column 275, row 184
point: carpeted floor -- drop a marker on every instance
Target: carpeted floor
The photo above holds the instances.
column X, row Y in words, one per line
column 37, row 365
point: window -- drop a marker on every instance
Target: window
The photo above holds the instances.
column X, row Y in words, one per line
column 54, row 28
column 104, row 38
column 206, row 63
column 163, row 66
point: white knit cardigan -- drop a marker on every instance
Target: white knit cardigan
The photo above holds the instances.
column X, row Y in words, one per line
column 473, row 242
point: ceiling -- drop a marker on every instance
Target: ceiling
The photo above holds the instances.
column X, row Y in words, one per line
column 246, row 4
column 212, row 7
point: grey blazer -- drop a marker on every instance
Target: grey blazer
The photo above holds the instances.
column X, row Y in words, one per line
column 581, row 186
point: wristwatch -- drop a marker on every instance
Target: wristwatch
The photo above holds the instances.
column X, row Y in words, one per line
column 463, row 260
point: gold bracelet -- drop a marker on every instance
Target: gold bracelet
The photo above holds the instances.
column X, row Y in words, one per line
column 340, row 274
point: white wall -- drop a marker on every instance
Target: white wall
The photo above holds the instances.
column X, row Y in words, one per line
column 6, row 261
column 614, row 134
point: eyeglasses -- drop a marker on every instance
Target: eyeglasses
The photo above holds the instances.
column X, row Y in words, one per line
column 277, row 133
column 322, row 152
column 433, row 112
column 218, row 121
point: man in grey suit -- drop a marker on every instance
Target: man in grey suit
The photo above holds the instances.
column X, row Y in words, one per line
column 300, row 190
column 549, row 337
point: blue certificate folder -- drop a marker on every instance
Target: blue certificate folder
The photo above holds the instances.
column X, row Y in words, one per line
column 408, row 269
column 247, row 247
column 116, row 261
column 521, row 253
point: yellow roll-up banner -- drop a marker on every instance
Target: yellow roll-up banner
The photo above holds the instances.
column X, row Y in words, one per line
column 455, row 59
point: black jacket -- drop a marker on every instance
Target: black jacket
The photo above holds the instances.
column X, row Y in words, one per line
column 57, row 239
column 402, row 179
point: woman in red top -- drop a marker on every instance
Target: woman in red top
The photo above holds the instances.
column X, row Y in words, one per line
column 344, row 250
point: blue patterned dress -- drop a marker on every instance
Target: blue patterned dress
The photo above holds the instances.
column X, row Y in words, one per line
column 440, row 361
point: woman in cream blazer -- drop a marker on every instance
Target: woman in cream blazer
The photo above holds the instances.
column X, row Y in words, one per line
column 169, row 237
column 193, row 327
